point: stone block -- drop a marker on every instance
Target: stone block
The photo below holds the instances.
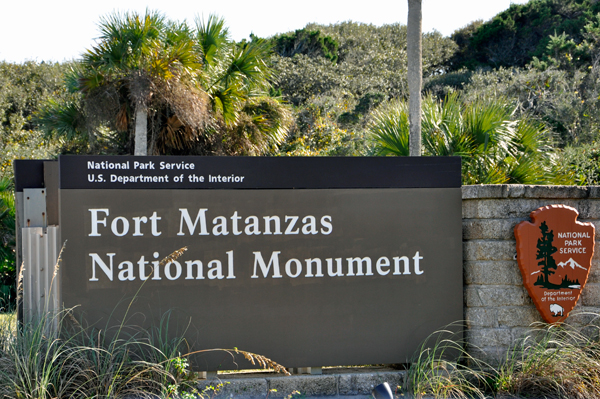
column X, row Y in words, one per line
column 555, row 192
column 486, row 191
column 595, row 222
column 490, row 229
column 496, row 296
column 594, row 192
column 485, row 209
column 489, row 250
column 488, row 337
column 481, row 317
column 590, row 295
column 583, row 316
column 521, row 316
column 499, row 208
column 491, row 355
column 485, row 272
column 528, row 333
column 363, row 384
column 591, row 210
column 594, row 276
column 516, row 190
column 589, row 332
column 307, row 385
column 522, row 207
column 584, row 208
column 243, row 388
column 478, row 191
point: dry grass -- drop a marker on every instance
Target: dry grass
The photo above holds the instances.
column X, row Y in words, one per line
column 552, row 361
column 439, row 368
column 8, row 320
column 37, row 361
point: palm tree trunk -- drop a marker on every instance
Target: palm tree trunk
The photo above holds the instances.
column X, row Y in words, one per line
column 141, row 130
column 415, row 75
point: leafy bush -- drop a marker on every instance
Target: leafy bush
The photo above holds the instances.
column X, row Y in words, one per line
column 583, row 162
column 302, row 41
column 318, row 133
column 23, row 88
column 516, row 35
column 442, row 85
column 370, row 60
column 568, row 103
column 7, row 246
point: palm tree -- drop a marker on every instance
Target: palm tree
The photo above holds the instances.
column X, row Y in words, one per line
column 415, row 74
column 495, row 147
column 189, row 87
column 237, row 80
column 138, row 56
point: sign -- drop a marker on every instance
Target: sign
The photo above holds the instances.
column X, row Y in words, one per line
column 554, row 253
column 308, row 261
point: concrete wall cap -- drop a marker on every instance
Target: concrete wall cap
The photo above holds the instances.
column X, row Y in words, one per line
column 482, row 191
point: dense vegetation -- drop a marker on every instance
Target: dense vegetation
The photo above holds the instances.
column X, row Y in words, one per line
column 542, row 59
column 24, row 88
column 517, row 97
column 523, row 32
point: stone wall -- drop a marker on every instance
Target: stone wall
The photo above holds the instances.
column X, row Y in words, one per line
column 333, row 383
column 498, row 309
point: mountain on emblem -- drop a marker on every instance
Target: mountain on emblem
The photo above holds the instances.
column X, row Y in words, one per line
column 572, row 264
column 554, row 266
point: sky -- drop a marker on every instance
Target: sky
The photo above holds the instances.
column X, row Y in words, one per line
column 61, row 30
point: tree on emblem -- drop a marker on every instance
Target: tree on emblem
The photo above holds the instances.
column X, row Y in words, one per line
column 545, row 249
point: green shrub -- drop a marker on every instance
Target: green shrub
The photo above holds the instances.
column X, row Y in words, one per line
column 23, row 89
column 567, row 103
column 320, row 129
column 307, row 42
column 370, row 59
column 7, row 246
column 516, row 35
column 583, row 162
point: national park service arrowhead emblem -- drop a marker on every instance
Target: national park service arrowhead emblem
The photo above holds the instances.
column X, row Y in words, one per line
column 554, row 252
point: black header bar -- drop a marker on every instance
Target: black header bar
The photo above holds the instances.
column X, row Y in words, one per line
column 191, row 172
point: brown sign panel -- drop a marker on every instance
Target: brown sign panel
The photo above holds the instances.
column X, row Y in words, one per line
column 554, row 253
column 354, row 274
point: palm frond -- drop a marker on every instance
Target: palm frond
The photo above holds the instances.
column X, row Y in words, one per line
column 249, row 65
column 271, row 118
column 62, row 119
column 495, row 147
column 226, row 103
column 213, row 36
column 390, row 129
